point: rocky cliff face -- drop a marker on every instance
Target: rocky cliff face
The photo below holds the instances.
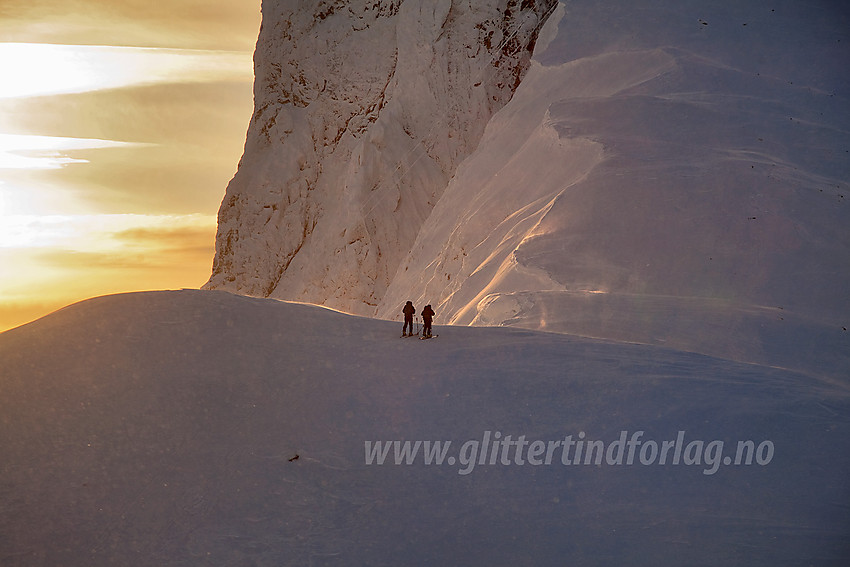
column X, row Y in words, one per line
column 670, row 172
column 363, row 111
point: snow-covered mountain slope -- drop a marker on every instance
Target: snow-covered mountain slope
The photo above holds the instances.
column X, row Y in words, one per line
column 668, row 172
column 163, row 428
column 363, row 110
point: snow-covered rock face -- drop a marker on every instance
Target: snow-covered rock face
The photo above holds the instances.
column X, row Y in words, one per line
column 670, row 171
column 363, row 111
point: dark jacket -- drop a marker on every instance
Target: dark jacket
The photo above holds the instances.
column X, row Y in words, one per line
column 408, row 310
column 428, row 313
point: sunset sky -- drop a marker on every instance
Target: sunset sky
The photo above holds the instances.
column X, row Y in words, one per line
column 121, row 122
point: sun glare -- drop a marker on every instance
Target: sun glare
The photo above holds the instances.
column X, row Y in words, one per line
column 76, row 221
column 37, row 69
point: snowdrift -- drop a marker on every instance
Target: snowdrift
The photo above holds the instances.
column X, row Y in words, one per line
column 204, row 428
column 671, row 173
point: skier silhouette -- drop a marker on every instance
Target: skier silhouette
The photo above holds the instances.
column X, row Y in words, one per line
column 408, row 311
column 427, row 315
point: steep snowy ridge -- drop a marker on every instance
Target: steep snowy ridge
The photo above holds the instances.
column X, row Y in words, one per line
column 363, row 110
column 206, row 428
column 663, row 182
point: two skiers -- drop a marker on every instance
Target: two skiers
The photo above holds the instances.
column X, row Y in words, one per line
column 427, row 316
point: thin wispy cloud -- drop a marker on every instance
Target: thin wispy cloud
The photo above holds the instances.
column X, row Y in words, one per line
column 196, row 24
column 100, row 232
column 46, row 152
column 36, row 69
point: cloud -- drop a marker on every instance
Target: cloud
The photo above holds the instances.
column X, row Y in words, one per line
column 104, row 233
column 196, row 24
column 141, row 254
column 135, row 210
column 93, row 261
column 177, row 111
column 44, row 152
column 35, row 69
column 187, row 140
column 176, row 241
column 67, row 259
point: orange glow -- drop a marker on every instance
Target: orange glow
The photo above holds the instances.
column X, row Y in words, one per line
column 114, row 158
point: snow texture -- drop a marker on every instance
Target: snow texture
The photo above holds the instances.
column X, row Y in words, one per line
column 668, row 177
column 161, row 428
column 676, row 180
column 363, row 110
column 667, row 172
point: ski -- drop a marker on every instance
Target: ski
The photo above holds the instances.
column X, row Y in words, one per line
column 428, row 337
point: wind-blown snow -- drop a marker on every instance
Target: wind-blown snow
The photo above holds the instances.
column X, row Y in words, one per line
column 668, row 172
column 158, row 429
